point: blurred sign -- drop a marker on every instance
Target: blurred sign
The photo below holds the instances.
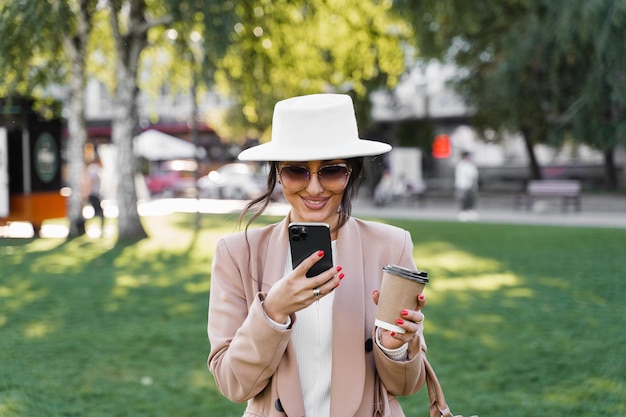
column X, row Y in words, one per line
column 46, row 158
column 4, row 174
column 441, row 147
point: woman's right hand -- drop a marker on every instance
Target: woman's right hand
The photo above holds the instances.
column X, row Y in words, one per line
column 295, row 291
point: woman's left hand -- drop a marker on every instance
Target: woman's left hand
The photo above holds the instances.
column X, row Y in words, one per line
column 410, row 320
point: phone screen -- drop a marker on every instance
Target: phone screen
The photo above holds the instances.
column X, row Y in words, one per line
column 308, row 238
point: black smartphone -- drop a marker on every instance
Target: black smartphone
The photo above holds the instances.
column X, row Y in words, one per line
column 308, row 238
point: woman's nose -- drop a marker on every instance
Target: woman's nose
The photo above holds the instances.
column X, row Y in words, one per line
column 314, row 186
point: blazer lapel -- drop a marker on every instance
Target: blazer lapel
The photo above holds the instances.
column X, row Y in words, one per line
column 348, row 374
column 275, row 255
column 287, row 377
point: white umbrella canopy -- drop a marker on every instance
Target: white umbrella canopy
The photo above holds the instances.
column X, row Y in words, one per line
column 158, row 146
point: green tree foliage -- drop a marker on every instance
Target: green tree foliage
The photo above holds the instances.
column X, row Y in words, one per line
column 551, row 69
column 591, row 102
column 188, row 48
column 30, row 48
column 285, row 48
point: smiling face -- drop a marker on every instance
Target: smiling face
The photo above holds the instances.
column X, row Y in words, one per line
column 314, row 189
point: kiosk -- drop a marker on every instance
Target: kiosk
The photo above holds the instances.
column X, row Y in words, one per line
column 30, row 165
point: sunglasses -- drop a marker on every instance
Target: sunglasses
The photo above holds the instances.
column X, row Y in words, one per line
column 331, row 177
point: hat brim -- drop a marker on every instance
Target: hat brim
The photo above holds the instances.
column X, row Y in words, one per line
column 272, row 152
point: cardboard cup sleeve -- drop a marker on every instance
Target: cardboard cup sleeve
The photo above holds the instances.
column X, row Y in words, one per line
column 398, row 291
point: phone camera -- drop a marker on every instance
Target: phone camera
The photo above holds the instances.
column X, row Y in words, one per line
column 298, row 233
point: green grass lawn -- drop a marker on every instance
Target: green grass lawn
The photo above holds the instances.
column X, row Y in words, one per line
column 521, row 321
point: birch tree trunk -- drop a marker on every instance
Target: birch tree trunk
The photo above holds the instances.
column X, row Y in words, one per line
column 75, row 146
column 75, row 46
column 128, row 47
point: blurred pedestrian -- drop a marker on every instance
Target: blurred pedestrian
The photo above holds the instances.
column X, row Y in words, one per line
column 93, row 190
column 383, row 190
column 466, row 186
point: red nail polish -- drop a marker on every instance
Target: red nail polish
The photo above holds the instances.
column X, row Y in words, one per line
column 404, row 312
column 392, row 333
column 341, row 275
column 320, row 253
column 421, row 297
column 400, row 321
column 337, row 285
column 339, row 268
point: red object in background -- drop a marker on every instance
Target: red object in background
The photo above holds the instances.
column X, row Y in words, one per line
column 160, row 182
column 441, row 147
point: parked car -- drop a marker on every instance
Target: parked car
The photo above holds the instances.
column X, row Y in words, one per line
column 237, row 181
column 172, row 179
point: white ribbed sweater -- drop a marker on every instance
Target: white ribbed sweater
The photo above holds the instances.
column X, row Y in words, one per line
column 313, row 340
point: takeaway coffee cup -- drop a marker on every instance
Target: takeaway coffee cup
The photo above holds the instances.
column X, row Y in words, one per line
column 398, row 291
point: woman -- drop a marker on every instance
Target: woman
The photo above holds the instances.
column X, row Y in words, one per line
column 292, row 345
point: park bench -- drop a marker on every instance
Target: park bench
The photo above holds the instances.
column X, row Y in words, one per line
column 567, row 190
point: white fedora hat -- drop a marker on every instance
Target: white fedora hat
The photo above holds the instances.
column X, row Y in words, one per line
column 316, row 127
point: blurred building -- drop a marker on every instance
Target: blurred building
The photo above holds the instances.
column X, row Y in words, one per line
column 424, row 96
column 168, row 113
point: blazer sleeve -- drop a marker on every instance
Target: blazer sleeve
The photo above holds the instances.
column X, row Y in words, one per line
column 245, row 347
column 406, row 377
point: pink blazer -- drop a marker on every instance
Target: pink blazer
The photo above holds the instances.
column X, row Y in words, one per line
column 253, row 361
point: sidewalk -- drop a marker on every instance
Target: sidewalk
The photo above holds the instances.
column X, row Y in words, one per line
column 598, row 210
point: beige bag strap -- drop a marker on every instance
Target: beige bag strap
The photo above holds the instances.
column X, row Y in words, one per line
column 438, row 406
